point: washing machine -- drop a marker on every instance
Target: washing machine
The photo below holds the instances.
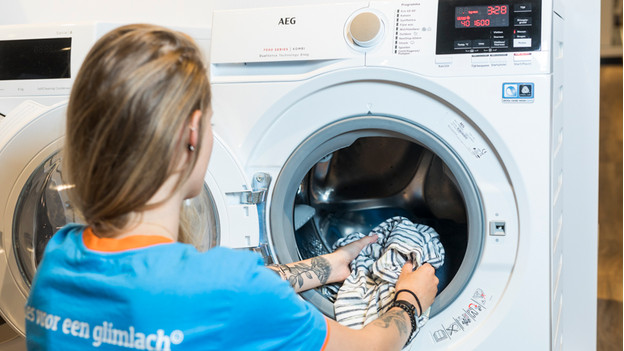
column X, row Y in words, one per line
column 448, row 113
column 37, row 66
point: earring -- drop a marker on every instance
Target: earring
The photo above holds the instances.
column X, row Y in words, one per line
column 191, row 148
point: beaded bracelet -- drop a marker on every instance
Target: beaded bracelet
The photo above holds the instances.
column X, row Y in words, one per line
column 411, row 312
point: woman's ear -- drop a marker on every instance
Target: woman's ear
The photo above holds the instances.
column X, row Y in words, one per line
column 194, row 129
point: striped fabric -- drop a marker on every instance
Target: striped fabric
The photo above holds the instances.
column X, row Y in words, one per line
column 369, row 290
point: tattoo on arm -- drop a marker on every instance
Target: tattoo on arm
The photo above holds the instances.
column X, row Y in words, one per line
column 296, row 273
column 396, row 317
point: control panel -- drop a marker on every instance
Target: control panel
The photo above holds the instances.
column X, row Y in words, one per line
column 476, row 26
column 42, row 60
column 449, row 38
column 434, row 38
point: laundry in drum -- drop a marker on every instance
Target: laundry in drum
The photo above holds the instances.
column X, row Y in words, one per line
column 369, row 290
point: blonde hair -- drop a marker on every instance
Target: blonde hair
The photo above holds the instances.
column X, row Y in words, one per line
column 199, row 222
column 132, row 97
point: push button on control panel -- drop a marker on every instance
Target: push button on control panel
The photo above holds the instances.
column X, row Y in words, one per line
column 523, row 7
column 500, row 43
column 463, row 44
column 522, row 43
column 523, row 21
column 481, row 43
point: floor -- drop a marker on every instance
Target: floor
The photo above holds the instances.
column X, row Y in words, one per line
column 609, row 327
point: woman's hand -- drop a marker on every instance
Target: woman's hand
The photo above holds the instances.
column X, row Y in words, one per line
column 421, row 282
column 391, row 330
column 343, row 256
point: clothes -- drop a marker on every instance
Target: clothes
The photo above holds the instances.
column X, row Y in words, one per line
column 155, row 295
column 369, row 291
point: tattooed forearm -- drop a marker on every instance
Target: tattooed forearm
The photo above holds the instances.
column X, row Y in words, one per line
column 394, row 317
column 322, row 268
column 296, row 273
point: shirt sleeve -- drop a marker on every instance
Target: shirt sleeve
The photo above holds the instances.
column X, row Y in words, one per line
column 273, row 316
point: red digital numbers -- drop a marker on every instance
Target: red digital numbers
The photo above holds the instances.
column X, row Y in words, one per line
column 497, row 10
column 482, row 16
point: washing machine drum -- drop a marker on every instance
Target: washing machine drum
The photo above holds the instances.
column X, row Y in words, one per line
column 352, row 176
column 357, row 188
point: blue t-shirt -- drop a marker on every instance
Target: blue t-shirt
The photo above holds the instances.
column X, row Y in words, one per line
column 164, row 297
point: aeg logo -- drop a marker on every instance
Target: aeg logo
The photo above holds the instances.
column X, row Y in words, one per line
column 286, row 21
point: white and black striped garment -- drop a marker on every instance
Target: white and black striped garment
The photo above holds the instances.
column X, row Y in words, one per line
column 369, row 290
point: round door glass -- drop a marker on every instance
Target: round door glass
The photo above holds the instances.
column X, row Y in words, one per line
column 43, row 208
column 356, row 188
column 355, row 174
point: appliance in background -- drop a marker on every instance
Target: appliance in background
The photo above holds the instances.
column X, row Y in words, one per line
column 448, row 113
column 37, row 66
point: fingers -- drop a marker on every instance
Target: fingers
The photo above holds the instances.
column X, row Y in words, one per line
column 349, row 252
column 428, row 269
column 369, row 239
column 427, row 266
column 407, row 267
column 372, row 239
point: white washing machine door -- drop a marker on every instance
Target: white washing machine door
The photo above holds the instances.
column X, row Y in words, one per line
column 224, row 213
column 34, row 203
column 30, row 138
column 238, row 214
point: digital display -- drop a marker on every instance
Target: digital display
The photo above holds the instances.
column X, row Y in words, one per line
column 482, row 16
column 35, row 59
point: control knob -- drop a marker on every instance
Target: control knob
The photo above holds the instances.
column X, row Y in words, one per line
column 366, row 29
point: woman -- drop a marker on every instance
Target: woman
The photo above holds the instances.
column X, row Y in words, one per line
column 138, row 143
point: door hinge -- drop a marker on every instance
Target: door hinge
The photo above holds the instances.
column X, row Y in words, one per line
column 257, row 195
column 247, row 197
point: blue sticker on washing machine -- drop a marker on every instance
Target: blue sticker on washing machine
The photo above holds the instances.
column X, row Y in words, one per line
column 518, row 92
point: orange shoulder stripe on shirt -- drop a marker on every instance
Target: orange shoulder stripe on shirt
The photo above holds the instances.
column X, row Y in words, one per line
column 93, row 242
column 326, row 336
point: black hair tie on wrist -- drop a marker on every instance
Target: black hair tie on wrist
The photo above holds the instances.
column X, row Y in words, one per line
column 415, row 297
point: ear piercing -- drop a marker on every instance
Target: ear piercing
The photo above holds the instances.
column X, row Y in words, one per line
column 190, row 147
